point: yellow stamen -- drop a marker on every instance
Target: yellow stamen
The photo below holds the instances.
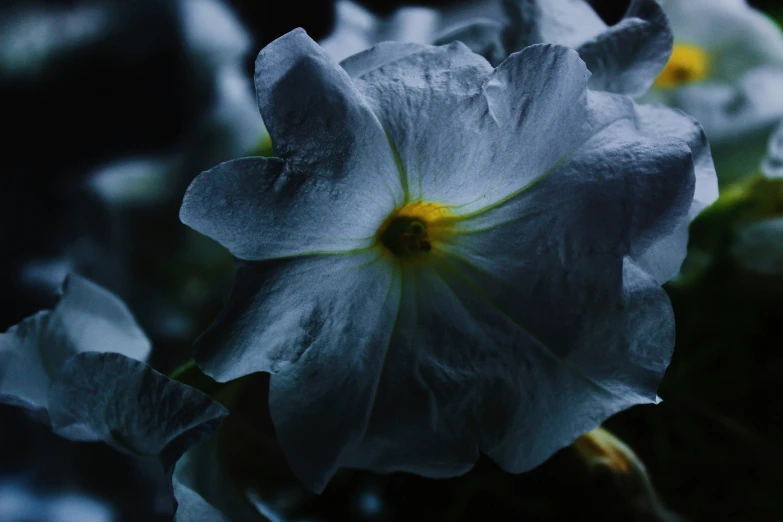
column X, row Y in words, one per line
column 410, row 231
column 688, row 64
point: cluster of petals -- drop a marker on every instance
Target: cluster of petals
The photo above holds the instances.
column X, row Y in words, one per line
column 555, row 212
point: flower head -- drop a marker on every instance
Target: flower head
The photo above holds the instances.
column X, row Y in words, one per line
column 445, row 258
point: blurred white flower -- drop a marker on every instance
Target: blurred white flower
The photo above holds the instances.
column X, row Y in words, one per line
column 726, row 70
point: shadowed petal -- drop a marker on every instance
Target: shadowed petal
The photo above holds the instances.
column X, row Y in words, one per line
column 321, row 325
column 86, row 318
column 128, row 405
column 628, row 57
column 251, row 207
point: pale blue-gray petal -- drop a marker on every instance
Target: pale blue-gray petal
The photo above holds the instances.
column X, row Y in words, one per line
column 728, row 112
column 663, row 258
column 126, row 404
column 424, row 415
column 321, row 326
column 772, row 165
column 482, row 37
column 253, row 208
column 335, row 149
column 472, row 158
column 628, row 57
column 193, row 508
column 738, row 118
column 205, row 492
column 378, row 56
column 86, row 318
column 564, row 22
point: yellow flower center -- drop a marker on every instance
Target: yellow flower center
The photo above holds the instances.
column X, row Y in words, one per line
column 413, row 230
column 688, row 64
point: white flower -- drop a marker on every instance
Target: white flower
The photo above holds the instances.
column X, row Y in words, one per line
column 446, row 258
column 726, row 70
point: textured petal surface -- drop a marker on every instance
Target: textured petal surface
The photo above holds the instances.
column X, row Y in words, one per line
column 321, row 325
column 730, row 111
column 86, row 318
column 530, row 321
column 334, row 152
column 128, row 405
column 356, row 29
column 377, row 56
column 253, row 208
column 539, row 93
column 629, row 56
column 484, row 38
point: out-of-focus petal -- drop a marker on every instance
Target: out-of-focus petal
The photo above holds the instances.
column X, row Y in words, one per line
column 86, row 318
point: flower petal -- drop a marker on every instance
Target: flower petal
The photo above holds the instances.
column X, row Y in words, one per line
column 629, row 56
column 86, row 318
column 537, row 401
column 334, row 147
column 564, row 22
column 539, row 93
column 193, row 507
column 663, row 258
column 25, row 369
column 753, row 103
column 378, row 56
column 483, row 37
column 123, row 402
column 423, row 419
column 321, row 326
column 617, row 194
column 564, row 269
column 254, row 209
column 437, row 81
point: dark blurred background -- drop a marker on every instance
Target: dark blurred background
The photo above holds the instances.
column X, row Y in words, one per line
column 129, row 84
